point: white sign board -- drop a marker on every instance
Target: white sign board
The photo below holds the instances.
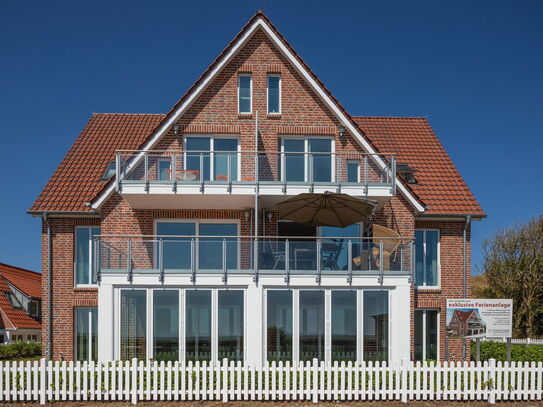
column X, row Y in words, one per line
column 479, row 318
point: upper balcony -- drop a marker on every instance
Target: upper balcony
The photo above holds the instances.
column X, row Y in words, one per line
column 178, row 179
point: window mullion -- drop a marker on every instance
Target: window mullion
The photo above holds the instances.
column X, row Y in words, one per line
column 295, row 325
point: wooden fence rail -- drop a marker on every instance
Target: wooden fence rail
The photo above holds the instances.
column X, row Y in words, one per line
column 310, row 381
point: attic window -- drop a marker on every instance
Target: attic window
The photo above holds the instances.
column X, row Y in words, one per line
column 109, row 172
column 407, row 172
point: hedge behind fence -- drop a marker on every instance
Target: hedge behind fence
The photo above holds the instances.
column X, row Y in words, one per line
column 498, row 351
column 20, row 350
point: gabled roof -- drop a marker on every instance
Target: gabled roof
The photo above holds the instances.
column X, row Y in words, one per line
column 440, row 185
column 29, row 282
column 463, row 316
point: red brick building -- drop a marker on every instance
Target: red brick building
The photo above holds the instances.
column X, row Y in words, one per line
column 162, row 236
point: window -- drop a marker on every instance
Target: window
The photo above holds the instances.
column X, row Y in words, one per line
column 198, row 325
column 34, row 308
column 133, row 324
column 375, row 325
column 344, row 325
column 164, row 169
column 84, row 235
column 244, row 93
column 109, row 172
column 166, row 324
column 353, row 171
column 86, row 333
column 34, row 338
column 274, row 94
column 426, row 334
column 311, row 325
column 307, row 160
column 230, row 325
column 211, row 159
column 427, row 258
column 279, row 325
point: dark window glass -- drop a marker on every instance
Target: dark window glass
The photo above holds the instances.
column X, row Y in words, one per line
column 279, row 321
column 225, row 165
column 176, row 251
column 320, row 165
column 133, row 324
column 353, row 171
column 83, row 254
column 294, row 163
column 274, row 94
column 198, row 325
column 197, row 157
column 166, row 325
column 344, row 325
column 230, row 326
column 311, row 325
column 86, row 333
column 426, row 251
column 426, row 334
column 164, row 169
column 375, row 325
column 244, row 94
column 211, row 249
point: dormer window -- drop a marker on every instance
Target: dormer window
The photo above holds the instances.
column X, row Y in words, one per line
column 274, row 94
column 244, row 93
column 109, row 172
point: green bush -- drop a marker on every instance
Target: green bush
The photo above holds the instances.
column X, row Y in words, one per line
column 20, row 350
column 498, row 351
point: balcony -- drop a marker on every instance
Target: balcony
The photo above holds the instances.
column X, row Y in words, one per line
column 191, row 255
column 178, row 179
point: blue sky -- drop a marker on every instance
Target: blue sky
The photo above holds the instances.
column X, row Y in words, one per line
column 474, row 68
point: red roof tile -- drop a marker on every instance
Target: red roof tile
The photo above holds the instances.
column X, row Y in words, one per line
column 440, row 186
column 29, row 282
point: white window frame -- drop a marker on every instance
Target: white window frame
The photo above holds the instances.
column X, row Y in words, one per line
column 89, row 340
column 327, row 320
column 212, row 138
column 424, row 329
column 438, row 277
column 250, row 76
column 306, row 153
column 91, row 257
column 268, row 76
column 182, row 318
column 357, row 162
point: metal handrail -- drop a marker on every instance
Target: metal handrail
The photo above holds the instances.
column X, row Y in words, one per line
column 256, row 237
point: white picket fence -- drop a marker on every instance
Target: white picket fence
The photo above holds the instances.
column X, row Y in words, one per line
column 311, row 381
column 514, row 341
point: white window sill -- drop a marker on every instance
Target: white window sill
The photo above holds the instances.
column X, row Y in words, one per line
column 427, row 288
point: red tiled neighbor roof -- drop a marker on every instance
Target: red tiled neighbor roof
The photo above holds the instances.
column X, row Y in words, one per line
column 29, row 282
column 440, row 186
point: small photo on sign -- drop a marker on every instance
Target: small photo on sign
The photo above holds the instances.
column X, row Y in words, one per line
column 478, row 318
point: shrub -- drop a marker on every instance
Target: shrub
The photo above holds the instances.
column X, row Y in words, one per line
column 498, row 351
column 20, row 350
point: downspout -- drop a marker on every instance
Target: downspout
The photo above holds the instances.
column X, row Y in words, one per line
column 255, row 259
column 49, row 348
column 465, row 278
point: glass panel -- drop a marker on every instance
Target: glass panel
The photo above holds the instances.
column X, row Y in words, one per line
column 83, row 254
column 82, row 333
column 344, row 325
column 94, row 333
column 419, row 258
column 375, row 325
column 198, row 325
column 133, row 324
column 197, row 164
column 273, row 94
column 244, row 94
column 353, row 171
column 221, row 161
column 166, row 325
column 431, row 257
column 311, row 325
column 294, row 163
column 431, row 334
column 211, row 249
column 279, row 329
column 230, row 317
column 176, row 251
column 320, row 165
column 164, row 170
column 335, row 250
column 419, row 334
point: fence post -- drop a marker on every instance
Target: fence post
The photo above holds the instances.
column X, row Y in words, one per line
column 404, row 373
column 224, row 380
column 492, row 381
column 43, row 380
column 134, row 380
column 315, row 381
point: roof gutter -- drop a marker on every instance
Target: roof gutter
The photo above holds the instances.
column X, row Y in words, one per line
column 63, row 214
column 49, row 348
column 465, row 261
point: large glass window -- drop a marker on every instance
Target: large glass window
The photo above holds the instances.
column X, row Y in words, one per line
column 375, row 325
column 198, row 325
column 335, row 248
column 211, row 158
column 274, row 94
column 225, row 165
column 353, row 171
column 293, row 163
column 84, row 253
column 133, row 324
column 211, row 249
column 230, row 325
column 311, row 325
column 197, row 161
column 176, row 251
column 244, row 93
column 320, row 163
column 426, row 247
column 344, row 325
column 279, row 324
column 426, row 334
column 86, row 333
column 166, row 325
column 315, row 166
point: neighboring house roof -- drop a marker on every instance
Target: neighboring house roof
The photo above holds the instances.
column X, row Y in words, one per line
column 78, row 178
column 440, row 186
column 29, row 282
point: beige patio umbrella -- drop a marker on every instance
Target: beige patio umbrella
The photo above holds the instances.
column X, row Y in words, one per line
column 326, row 209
